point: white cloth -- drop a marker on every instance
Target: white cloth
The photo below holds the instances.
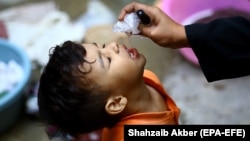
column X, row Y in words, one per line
column 129, row 25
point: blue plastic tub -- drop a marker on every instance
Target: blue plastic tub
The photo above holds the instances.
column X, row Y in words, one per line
column 11, row 103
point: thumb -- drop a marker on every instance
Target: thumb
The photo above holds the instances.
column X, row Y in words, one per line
column 145, row 30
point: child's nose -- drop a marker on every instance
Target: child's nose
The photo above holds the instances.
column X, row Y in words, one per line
column 114, row 46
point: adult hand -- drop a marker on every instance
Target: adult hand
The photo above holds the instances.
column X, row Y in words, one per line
column 163, row 30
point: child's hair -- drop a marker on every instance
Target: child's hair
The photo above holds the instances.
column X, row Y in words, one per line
column 67, row 98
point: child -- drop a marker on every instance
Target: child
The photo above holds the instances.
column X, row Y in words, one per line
column 88, row 87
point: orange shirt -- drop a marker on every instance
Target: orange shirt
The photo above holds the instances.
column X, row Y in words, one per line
column 167, row 117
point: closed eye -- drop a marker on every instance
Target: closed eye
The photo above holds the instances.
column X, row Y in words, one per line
column 109, row 59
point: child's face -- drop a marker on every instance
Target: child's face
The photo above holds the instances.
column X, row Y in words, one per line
column 115, row 66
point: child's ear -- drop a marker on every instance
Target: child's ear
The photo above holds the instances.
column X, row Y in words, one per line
column 116, row 104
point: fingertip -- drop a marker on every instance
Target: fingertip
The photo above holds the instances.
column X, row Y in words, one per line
column 120, row 18
column 131, row 7
column 145, row 29
column 140, row 27
column 122, row 15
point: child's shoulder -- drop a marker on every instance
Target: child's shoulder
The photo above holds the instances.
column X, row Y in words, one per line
column 148, row 74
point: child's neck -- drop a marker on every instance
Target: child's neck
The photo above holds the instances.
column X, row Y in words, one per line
column 158, row 101
column 146, row 99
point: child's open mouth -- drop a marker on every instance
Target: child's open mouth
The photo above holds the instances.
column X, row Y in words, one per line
column 132, row 52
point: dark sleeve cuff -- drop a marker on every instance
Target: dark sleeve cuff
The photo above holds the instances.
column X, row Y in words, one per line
column 222, row 47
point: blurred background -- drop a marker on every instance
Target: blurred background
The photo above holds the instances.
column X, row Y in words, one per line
column 34, row 26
